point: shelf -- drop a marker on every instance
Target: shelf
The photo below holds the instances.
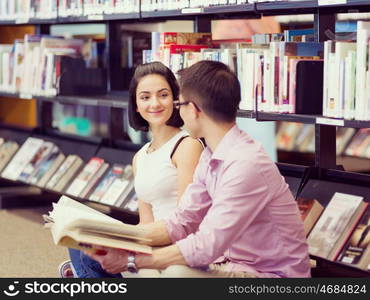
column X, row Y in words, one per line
column 306, row 119
column 216, row 11
column 311, row 6
column 339, row 269
column 219, row 11
column 250, row 114
column 119, row 100
column 74, row 19
column 113, row 99
column 98, row 18
column 281, row 7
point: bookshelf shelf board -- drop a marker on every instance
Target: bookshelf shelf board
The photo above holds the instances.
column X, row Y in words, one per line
column 168, row 14
column 119, row 100
column 98, row 18
column 339, row 268
column 306, row 119
column 287, row 6
column 250, row 114
column 79, row 138
column 10, row 95
column 310, row 6
column 357, row 124
column 201, row 11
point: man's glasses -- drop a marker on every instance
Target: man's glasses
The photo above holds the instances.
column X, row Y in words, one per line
column 178, row 103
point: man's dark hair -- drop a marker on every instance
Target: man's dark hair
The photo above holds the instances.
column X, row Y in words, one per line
column 135, row 119
column 213, row 87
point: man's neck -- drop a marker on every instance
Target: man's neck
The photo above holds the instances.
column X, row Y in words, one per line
column 215, row 133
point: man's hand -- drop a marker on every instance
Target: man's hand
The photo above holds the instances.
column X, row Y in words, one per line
column 111, row 260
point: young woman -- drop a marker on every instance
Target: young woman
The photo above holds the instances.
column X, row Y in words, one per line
column 163, row 167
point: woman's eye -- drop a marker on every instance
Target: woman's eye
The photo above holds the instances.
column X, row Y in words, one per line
column 164, row 95
column 144, row 98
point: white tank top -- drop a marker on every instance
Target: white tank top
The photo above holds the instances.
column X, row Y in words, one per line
column 156, row 177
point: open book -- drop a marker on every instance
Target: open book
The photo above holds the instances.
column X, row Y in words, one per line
column 78, row 226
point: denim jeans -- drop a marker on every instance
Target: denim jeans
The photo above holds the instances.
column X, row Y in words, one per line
column 85, row 267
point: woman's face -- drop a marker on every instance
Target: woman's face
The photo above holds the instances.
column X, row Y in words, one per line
column 154, row 99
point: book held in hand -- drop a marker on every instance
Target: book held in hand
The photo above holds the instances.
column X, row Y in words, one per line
column 75, row 225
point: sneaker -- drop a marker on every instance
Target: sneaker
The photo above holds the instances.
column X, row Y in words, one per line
column 66, row 270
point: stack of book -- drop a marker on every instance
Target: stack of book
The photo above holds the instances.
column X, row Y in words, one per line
column 346, row 76
column 98, row 7
column 274, row 77
column 23, row 10
column 34, row 65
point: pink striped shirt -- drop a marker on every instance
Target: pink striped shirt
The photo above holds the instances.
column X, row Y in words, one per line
column 240, row 210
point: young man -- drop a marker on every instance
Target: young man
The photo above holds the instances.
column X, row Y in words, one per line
column 238, row 217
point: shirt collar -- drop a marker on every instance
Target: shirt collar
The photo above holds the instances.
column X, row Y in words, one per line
column 224, row 145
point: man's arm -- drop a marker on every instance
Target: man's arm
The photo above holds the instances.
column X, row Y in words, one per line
column 115, row 260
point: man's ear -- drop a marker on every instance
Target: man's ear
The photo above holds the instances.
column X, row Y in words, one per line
column 194, row 110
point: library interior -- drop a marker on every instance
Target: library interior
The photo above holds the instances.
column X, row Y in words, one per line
column 65, row 70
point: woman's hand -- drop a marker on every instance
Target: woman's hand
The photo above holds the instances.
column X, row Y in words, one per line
column 111, row 260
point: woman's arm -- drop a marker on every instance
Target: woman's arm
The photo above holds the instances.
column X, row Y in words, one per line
column 145, row 212
column 145, row 209
column 186, row 159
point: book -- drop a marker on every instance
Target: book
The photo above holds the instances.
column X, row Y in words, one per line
column 94, row 180
column 88, row 172
column 47, row 167
column 63, row 176
column 75, row 225
column 37, row 159
column 15, row 167
column 335, row 225
column 120, row 188
column 310, row 210
column 115, row 171
column 7, row 150
column 356, row 252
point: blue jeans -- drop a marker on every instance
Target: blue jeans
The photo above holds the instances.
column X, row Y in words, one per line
column 85, row 267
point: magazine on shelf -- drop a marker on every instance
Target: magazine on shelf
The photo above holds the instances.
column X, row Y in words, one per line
column 7, row 150
column 335, row 225
column 65, row 173
column 24, row 155
column 78, row 226
column 120, row 188
column 356, row 252
column 88, row 173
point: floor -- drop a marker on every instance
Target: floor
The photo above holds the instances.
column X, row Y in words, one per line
column 27, row 248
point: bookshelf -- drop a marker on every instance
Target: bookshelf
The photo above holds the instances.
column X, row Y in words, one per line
column 324, row 169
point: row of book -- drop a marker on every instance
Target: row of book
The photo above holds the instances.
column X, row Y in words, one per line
column 347, row 76
column 340, row 231
column 42, row 163
column 301, row 138
column 274, row 77
column 329, row 79
column 23, row 10
column 33, row 65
